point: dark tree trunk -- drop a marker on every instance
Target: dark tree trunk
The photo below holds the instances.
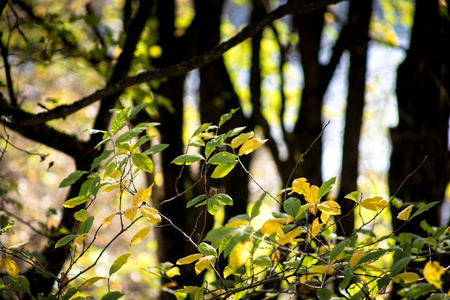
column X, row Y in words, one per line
column 359, row 18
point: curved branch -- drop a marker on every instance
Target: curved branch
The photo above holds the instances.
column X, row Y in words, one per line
column 291, row 7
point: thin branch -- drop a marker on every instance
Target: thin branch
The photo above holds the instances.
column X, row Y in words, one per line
column 291, row 7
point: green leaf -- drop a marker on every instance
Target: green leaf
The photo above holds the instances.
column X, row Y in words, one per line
column 196, row 200
column 81, row 215
column 100, row 158
column 348, row 275
column 423, row 209
column 227, row 116
column 338, row 249
column 213, row 206
column 71, row 203
column 70, row 293
column 87, row 225
column 354, row 196
column 72, row 178
column 217, row 234
column 224, row 199
column 214, row 144
column 65, row 240
column 400, row 265
column 207, row 249
column 20, row 284
column 326, row 187
column 118, row 263
column 257, row 206
column 135, row 110
column 155, row 149
column 143, row 162
column 119, row 120
column 372, row 256
column 222, row 158
column 324, row 294
column 112, row 295
column 142, row 140
column 222, row 170
column 129, row 135
column 234, row 132
column 94, row 186
column 187, row 159
column 292, row 206
column 263, row 261
column 201, row 128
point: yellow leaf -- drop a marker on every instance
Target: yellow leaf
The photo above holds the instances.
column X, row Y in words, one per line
column 203, row 262
column 407, row 277
column 237, row 223
column 301, row 186
column 130, row 213
column 404, row 214
column 173, row 272
column 110, row 188
column 312, row 196
column 271, row 226
column 240, row 253
column 91, row 281
column 80, row 239
column 330, row 207
column 116, row 174
column 250, row 146
column 189, row 259
column 375, row 203
column 151, row 214
column 329, row 269
column 289, row 237
column 240, row 139
column 11, row 267
column 108, row 219
column 140, row 236
column 357, row 255
column 283, row 191
column 432, row 273
column 142, row 195
column 315, row 228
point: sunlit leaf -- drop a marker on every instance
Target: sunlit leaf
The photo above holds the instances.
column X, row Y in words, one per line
column 108, row 219
column 222, row 170
column 118, row 263
column 143, row 162
column 224, row 199
column 130, row 213
column 91, row 281
column 354, row 196
column 222, row 158
column 375, row 203
column 407, row 277
column 187, row 159
column 203, row 263
column 212, row 205
column 201, row 128
column 271, row 226
column 11, row 267
column 330, row 207
column 140, row 236
column 81, row 215
column 152, row 215
column 250, row 146
column 189, row 259
column 301, row 186
column 316, row 226
column 207, row 249
column 196, row 200
column 240, row 253
column 172, row 272
column 289, row 237
column 240, row 139
column 312, row 195
column 227, row 116
column 71, row 203
column 432, row 273
column 404, row 214
column 356, row 256
column 234, row 132
column 129, row 135
column 142, row 195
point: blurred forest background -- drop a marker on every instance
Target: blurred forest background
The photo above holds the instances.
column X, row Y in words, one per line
column 375, row 73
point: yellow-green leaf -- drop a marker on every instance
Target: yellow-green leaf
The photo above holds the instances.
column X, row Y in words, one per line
column 432, row 273
column 330, row 207
column 203, row 263
column 110, row 188
column 91, row 281
column 81, row 215
column 301, row 186
column 173, row 272
column 289, row 237
column 118, row 263
column 250, row 146
column 240, row 253
column 356, row 257
column 143, row 162
column 407, row 277
column 375, row 203
column 240, row 139
column 140, row 236
column 130, row 213
column 71, row 203
column 189, row 259
column 354, row 196
column 108, row 219
column 404, row 214
column 11, row 267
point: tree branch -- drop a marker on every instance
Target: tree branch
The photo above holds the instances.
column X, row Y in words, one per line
column 290, row 7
